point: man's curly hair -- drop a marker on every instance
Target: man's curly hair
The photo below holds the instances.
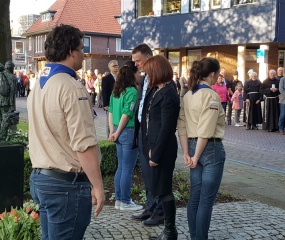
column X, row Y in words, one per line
column 60, row 41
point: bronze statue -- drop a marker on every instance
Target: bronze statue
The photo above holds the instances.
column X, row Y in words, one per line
column 8, row 85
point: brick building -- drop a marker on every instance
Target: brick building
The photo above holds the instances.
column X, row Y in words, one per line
column 96, row 19
column 241, row 34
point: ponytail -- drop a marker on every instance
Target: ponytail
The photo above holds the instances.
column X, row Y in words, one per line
column 195, row 75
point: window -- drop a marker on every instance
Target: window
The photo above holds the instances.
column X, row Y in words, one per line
column 19, row 47
column 281, row 59
column 144, row 8
column 237, row 2
column 87, row 44
column 193, row 55
column 170, row 6
column 118, row 45
column 216, row 3
column 30, row 43
column 195, row 4
column 174, row 60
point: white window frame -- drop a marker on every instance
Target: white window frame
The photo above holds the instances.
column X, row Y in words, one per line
column 138, row 2
column 215, row 7
column 118, row 44
column 30, row 43
column 279, row 53
column 192, row 4
column 85, row 37
column 23, row 47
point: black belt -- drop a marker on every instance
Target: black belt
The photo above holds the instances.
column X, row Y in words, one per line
column 66, row 176
column 209, row 139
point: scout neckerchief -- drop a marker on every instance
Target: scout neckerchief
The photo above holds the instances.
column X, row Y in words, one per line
column 52, row 69
column 200, row 86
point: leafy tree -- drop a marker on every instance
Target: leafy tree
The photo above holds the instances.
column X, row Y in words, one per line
column 5, row 32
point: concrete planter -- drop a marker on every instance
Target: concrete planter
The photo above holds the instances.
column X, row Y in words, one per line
column 11, row 176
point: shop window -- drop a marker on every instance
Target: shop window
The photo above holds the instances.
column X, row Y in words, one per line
column 174, row 60
column 193, row 55
column 281, row 59
column 144, row 8
column 195, row 4
column 170, row 6
column 239, row 2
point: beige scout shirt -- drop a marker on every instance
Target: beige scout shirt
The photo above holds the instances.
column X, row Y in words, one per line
column 61, row 123
column 201, row 115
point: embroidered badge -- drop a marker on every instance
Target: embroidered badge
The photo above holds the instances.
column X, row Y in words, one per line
column 83, row 98
column 132, row 106
column 46, row 71
column 214, row 105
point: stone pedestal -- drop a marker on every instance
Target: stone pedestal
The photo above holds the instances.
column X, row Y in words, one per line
column 11, row 176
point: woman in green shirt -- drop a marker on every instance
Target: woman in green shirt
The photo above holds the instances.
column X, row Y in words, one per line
column 121, row 121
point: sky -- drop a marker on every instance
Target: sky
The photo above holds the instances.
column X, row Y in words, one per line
column 24, row 7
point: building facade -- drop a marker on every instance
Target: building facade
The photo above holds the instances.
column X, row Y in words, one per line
column 97, row 20
column 241, row 34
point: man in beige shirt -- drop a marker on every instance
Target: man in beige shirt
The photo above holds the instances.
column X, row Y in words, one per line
column 62, row 141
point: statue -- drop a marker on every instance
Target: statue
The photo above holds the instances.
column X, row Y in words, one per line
column 8, row 85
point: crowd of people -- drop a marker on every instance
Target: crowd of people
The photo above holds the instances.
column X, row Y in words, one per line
column 249, row 98
column 145, row 104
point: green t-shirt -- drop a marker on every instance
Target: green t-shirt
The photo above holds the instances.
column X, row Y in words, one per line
column 125, row 104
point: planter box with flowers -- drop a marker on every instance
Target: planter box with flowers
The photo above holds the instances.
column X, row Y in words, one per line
column 21, row 224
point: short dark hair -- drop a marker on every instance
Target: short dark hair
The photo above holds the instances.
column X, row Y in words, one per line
column 201, row 69
column 60, row 41
column 144, row 49
column 158, row 70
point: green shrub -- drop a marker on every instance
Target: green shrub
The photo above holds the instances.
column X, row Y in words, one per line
column 108, row 163
column 109, row 158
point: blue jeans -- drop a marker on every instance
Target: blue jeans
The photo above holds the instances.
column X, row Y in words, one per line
column 205, row 182
column 127, row 158
column 65, row 207
column 224, row 105
column 281, row 123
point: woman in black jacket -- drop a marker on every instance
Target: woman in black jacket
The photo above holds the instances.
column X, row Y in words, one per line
column 159, row 120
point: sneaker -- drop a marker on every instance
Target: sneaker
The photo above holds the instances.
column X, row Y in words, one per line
column 118, row 204
column 131, row 206
column 237, row 125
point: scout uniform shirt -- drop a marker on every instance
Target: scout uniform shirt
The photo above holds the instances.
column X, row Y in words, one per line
column 201, row 114
column 61, row 122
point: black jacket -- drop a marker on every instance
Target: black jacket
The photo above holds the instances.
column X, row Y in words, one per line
column 107, row 88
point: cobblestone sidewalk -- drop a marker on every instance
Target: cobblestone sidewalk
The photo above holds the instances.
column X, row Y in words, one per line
column 237, row 220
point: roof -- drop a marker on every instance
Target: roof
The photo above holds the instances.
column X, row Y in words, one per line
column 88, row 15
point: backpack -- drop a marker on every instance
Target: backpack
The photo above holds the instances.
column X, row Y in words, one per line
column 4, row 85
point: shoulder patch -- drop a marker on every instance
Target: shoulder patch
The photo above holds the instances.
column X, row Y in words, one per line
column 214, row 105
column 132, row 106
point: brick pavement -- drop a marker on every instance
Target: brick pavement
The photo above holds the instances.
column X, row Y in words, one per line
column 236, row 220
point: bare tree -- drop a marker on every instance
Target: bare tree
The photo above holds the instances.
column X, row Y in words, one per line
column 5, row 32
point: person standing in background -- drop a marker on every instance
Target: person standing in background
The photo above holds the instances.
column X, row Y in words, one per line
column 270, row 89
column 232, row 89
column 108, row 82
column 252, row 98
column 281, row 123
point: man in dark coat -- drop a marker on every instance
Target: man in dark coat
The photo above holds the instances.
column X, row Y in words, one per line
column 153, row 212
column 107, row 88
column 270, row 89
